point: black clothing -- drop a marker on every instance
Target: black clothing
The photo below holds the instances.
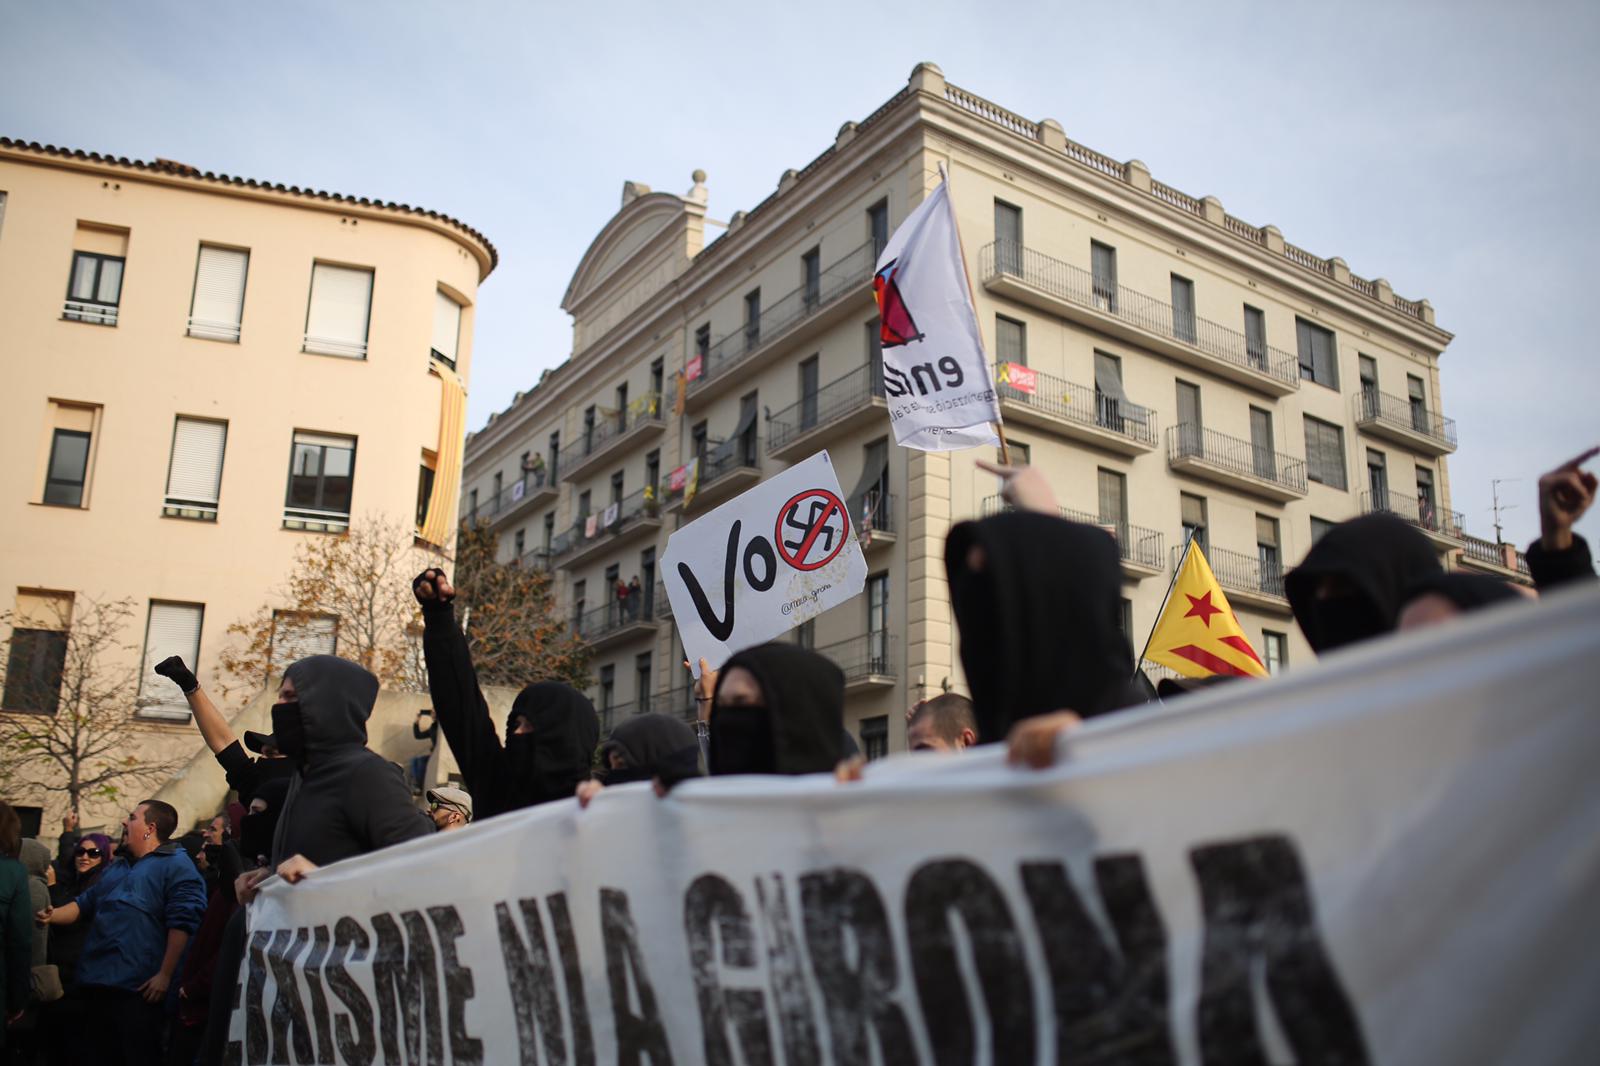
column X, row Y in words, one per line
column 66, row 941
column 257, row 828
column 652, row 745
column 248, row 776
column 1373, row 560
column 344, row 800
column 799, row 729
column 1039, row 620
column 529, row 768
column 1467, row 591
column 124, row 1028
column 1549, row 569
column 430, row 734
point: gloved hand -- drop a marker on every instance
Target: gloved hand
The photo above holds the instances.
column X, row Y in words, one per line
column 431, row 587
column 180, row 675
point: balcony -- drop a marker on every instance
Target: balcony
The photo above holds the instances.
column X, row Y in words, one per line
column 801, row 314
column 1075, row 411
column 874, row 519
column 1029, row 277
column 678, row 702
column 1500, row 560
column 1405, row 423
column 612, row 624
column 1236, row 464
column 527, row 493
column 536, row 559
column 1138, row 548
column 1442, row 527
column 722, row 476
column 1247, row 580
column 869, row 662
column 91, row 311
column 639, row 421
column 661, row 605
column 847, row 403
column 637, row 516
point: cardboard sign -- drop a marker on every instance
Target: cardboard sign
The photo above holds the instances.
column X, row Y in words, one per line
column 763, row 563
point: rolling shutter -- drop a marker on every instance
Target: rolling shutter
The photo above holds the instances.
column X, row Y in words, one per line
column 218, row 293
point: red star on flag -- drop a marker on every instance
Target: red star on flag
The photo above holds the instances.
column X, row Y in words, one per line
column 1200, row 607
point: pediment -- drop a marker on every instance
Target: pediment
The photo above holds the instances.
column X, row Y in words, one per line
column 630, row 231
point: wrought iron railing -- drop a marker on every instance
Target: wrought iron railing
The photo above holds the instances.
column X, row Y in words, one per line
column 1258, row 574
column 506, row 498
column 869, row 655
column 832, row 402
column 644, row 411
column 1419, row 511
column 1135, row 544
column 1078, row 403
column 1188, row 441
column 874, row 510
column 641, row 503
column 609, row 617
column 1403, row 413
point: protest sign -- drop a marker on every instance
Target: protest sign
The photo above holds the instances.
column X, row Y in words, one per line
column 763, row 562
column 1385, row 858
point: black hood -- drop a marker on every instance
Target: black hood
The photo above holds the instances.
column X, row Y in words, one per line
column 336, row 698
column 1467, row 591
column 1374, row 559
column 1040, row 621
column 548, row 763
column 804, row 698
column 653, row 745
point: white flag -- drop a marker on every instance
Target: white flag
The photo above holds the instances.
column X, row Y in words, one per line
column 941, row 396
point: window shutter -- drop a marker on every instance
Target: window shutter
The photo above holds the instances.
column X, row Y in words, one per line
column 341, row 300
column 218, row 293
column 298, row 637
column 446, row 327
column 1108, row 376
column 196, row 472
column 1266, row 531
column 174, row 629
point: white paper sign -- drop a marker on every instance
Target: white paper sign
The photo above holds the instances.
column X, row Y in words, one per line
column 763, row 563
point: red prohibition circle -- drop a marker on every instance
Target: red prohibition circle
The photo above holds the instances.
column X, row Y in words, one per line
column 834, row 504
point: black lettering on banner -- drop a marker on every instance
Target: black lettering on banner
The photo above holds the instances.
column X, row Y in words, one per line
column 572, row 978
column 639, row 1035
column 719, row 628
column 894, row 381
column 404, row 972
column 288, row 1012
column 712, row 903
column 921, row 371
column 1107, row 1007
column 937, row 893
column 536, row 1009
column 465, row 1049
column 320, row 943
column 256, row 1046
column 759, row 548
column 791, row 996
column 953, row 374
column 1258, row 912
column 352, row 1030
column 856, row 998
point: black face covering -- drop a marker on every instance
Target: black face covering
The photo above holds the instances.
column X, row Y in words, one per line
column 741, row 741
column 652, row 745
column 1370, row 561
column 548, row 762
column 289, row 730
column 801, row 728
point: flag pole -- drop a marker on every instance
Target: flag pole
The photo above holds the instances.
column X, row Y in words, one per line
column 1187, row 544
column 966, row 273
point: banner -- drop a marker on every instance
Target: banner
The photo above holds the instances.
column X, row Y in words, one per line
column 935, row 376
column 762, row 563
column 1385, row 858
column 1019, row 377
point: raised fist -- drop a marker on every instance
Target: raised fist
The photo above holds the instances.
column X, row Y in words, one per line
column 180, row 675
column 431, row 586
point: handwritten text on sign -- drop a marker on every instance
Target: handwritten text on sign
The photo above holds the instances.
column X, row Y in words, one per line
column 764, row 562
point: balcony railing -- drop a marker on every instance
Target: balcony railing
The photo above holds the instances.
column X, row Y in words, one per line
column 1187, row 441
column 779, row 318
column 608, row 618
column 874, row 510
column 1135, row 544
column 660, row 603
column 1240, row 572
column 869, row 655
column 507, row 498
column 641, row 503
column 311, row 520
column 1081, row 404
column 1402, row 413
column 714, row 466
column 89, row 311
column 832, row 402
column 1487, row 551
column 645, row 411
column 1420, row 512
column 1076, row 285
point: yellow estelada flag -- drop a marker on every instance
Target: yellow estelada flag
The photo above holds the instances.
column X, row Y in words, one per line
column 1198, row 635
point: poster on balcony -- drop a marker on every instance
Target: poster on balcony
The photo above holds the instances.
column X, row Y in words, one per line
column 1018, row 377
column 763, row 563
column 935, row 375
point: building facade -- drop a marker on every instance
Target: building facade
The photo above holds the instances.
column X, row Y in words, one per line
column 206, row 371
column 1173, row 369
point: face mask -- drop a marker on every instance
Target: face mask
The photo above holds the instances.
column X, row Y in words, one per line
column 255, row 835
column 1343, row 620
column 741, row 741
column 289, row 730
column 622, row 775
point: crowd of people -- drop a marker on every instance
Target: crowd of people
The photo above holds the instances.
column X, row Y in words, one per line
column 129, row 950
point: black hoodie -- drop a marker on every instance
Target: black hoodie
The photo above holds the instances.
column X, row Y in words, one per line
column 344, row 800
column 802, row 728
column 1040, row 620
column 652, row 745
column 1372, row 561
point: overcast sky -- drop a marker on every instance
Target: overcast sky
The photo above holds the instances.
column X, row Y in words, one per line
column 1449, row 147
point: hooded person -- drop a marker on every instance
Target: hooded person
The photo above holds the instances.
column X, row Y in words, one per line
column 1352, row 583
column 550, row 733
column 777, row 709
column 1037, row 602
column 648, row 746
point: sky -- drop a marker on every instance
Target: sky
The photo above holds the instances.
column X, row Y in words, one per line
column 1449, row 147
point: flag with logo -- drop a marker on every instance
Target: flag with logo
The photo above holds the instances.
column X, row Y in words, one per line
column 935, row 375
column 1198, row 635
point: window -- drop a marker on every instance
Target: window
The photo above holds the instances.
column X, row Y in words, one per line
column 875, row 354
column 1007, row 237
column 642, row 680
column 194, row 474
column 1427, row 503
column 472, row 503
column 698, row 437
column 752, row 319
column 555, row 455
column 1269, row 556
column 1125, row 621
column 94, row 288
column 658, row 370
column 748, row 451
column 321, row 475
column 579, row 590
column 877, row 226
column 1378, row 479
column 38, row 651
column 622, row 407
column 652, row 468
column 1108, row 394
column 868, row 502
column 499, row 488
column 338, row 312
column 1189, row 418
column 549, row 530
column 519, row 544
column 1255, row 336
column 875, row 736
column 217, row 306
column 172, row 629
column 584, row 507
column 588, row 430
column 1010, row 341
column 68, row 471
column 647, row 580
column 2, row 210
column 808, row 392
column 702, row 340
column 1103, row 259
column 1325, row 453
column 1113, row 499
column 1419, row 403
column 616, row 487
column 608, row 686
column 1276, row 648
column 811, row 278
column 1264, row 458
column 446, row 329
column 878, row 624
column 1368, row 369
column 1183, row 323
column 1318, row 358
column 1320, row 528
column 1021, row 453
column 1192, row 511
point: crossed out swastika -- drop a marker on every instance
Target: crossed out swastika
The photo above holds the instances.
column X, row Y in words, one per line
column 812, row 529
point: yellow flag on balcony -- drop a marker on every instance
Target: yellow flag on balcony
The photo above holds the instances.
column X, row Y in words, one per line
column 1198, row 635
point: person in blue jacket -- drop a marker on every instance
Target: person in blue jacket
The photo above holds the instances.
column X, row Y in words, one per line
column 141, row 914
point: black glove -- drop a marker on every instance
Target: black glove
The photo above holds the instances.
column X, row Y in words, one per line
column 429, row 579
column 173, row 668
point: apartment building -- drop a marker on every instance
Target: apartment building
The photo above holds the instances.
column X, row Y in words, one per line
column 1175, row 370
column 206, row 370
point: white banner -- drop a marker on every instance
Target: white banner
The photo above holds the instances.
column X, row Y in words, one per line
column 935, row 377
column 1386, row 858
column 762, row 563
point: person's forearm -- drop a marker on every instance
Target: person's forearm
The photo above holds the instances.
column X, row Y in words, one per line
column 213, row 727
column 65, row 914
column 176, row 939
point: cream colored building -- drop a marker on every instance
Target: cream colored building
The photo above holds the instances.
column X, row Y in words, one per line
column 1184, row 368
column 205, row 371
